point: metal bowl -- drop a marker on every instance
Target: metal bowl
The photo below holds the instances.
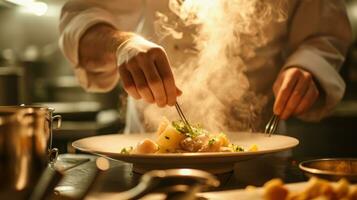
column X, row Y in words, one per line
column 331, row 168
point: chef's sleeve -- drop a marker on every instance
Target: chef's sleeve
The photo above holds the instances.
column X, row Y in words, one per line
column 318, row 39
column 77, row 17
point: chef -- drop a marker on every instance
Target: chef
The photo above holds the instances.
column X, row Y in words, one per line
column 115, row 41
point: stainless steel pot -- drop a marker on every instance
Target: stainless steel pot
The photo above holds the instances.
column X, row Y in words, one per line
column 50, row 120
column 23, row 150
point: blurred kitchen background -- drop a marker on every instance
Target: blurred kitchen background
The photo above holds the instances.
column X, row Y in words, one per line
column 33, row 71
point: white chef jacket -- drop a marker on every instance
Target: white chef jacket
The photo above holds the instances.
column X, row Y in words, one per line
column 315, row 37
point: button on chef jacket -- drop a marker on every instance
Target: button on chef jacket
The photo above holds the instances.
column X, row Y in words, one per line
column 315, row 37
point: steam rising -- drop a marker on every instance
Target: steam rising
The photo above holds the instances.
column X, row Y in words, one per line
column 226, row 33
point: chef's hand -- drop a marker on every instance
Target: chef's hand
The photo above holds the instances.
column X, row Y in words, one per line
column 295, row 92
column 145, row 72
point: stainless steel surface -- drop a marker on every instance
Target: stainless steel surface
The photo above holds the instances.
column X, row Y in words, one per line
column 23, row 150
column 272, row 125
column 331, row 168
column 182, row 116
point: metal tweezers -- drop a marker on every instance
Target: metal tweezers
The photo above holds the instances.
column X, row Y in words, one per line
column 272, row 125
column 182, row 116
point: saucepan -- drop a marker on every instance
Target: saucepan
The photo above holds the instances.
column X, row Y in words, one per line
column 25, row 148
column 51, row 118
column 49, row 127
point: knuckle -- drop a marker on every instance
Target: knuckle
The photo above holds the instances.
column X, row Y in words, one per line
column 289, row 108
column 149, row 99
column 284, row 90
column 298, row 74
column 160, row 95
column 131, row 65
column 168, row 80
column 308, row 76
column 294, row 71
column 128, row 86
column 142, row 88
column 155, row 51
column 297, row 93
column 161, row 101
column 142, row 57
column 154, row 81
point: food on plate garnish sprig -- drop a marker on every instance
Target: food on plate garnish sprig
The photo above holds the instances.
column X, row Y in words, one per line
column 176, row 137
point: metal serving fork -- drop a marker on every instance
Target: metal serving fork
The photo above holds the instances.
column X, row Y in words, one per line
column 272, row 125
column 182, row 116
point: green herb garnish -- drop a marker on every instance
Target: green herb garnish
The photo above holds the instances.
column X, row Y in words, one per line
column 126, row 150
column 180, row 126
column 195, row 130
column 237, row 148
column 211, row 141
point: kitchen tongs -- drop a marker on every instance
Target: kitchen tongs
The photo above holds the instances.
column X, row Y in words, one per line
column 182, row 116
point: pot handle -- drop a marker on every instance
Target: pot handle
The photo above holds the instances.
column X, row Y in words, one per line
column 57, row 118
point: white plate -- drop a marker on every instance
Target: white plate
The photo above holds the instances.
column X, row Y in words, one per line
column 219, row 162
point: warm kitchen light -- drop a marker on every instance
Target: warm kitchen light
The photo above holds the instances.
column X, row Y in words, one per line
column 21, row 2
column 31, row 6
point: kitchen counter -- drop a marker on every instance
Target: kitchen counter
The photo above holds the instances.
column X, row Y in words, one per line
column 119, row 177
column 335, row 135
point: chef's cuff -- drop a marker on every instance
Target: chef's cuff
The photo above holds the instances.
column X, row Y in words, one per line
column 327, row 77
column 132, row 47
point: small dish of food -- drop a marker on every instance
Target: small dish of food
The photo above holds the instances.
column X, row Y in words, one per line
column 176, row 146
column 331, row 168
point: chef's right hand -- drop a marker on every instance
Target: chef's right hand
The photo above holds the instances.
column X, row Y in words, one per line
column 145, row 72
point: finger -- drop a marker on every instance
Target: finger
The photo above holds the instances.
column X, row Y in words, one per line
column 308, row 100
column 163, row 66
column 277, row 85
column 284, row 92
column 296, row 96
column 128, row 82
column 140, row 81
column 153, row 79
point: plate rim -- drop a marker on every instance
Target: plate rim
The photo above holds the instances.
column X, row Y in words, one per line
column 186, row 155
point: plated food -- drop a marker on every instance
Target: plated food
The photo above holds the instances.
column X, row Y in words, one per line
column 111, row 145
column 316, row 189
column 176, row 137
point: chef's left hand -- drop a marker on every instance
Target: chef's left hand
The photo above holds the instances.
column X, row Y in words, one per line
column 295, row 92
